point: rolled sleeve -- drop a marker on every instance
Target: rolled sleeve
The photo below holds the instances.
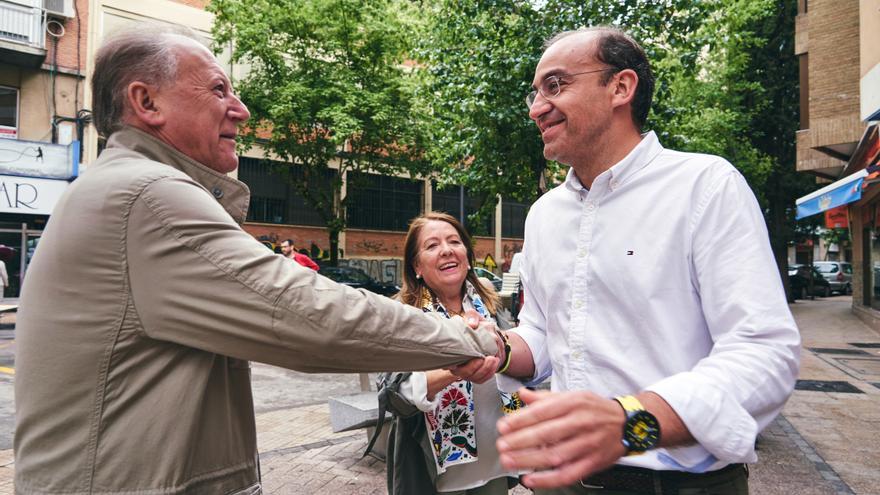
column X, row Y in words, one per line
column 716, row 420
column 537, row 342
column 415, row 390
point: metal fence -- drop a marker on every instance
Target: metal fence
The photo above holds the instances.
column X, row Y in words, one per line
column 24, row 22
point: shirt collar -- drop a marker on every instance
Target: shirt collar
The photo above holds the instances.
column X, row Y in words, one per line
column 638, row 158
column 233, row 195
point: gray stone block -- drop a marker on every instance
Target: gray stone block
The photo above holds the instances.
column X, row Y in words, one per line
column 351, row 412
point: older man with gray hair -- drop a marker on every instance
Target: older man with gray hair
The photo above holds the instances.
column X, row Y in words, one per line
column 136, row 379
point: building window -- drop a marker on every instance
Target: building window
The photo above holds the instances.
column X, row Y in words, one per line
column 804, row 80
column 274, row 199
column 8, row 112
column 513, row 218
column 382, row 202
column 448, row 200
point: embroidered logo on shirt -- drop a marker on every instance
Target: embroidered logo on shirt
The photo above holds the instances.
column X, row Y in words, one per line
column 629, row 253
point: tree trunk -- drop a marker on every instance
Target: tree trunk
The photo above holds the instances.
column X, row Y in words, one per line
column 334, row 246
column 778, row 230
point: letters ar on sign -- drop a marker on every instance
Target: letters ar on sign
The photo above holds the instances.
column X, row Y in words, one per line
column 29, row 195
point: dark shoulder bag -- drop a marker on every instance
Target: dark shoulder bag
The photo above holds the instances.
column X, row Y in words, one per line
column 390, row 400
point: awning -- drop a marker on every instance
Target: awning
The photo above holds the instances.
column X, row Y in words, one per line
column 839, row 193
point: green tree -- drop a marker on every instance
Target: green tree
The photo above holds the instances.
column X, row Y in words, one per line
column 478, row 59
column 326, row 87
column 742, row 104
column 727, row 84
column 476, row 62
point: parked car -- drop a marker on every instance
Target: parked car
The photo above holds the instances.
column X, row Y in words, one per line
column 355, row 277
column 495, row 279
column 838, row 274
column 799, row 280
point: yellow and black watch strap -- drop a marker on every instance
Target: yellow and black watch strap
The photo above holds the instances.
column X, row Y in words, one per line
column 630, row 404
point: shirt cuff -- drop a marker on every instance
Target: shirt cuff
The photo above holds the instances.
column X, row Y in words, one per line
column 415, row 390
column 537, row 342
column 716, row 421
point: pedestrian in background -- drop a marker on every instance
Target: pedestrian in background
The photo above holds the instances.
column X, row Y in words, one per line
column 289, row 251
column 442, row 440
column 652, row 296
column 132, row 362
column 4, row 280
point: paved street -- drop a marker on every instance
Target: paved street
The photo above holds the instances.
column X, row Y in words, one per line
column 824, row 443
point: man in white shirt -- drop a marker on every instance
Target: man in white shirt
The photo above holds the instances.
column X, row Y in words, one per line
column 652, row 297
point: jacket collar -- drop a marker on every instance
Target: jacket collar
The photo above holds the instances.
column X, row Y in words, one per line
column 233, row 195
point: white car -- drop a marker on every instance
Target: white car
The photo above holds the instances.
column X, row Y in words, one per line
column 837, row 273
column 495, row 279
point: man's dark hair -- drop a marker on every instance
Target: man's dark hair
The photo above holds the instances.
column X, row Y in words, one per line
column 620, row 51
column 288, row 241
column 144, row 52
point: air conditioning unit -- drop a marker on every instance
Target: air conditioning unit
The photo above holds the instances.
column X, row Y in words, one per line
column 59, row 8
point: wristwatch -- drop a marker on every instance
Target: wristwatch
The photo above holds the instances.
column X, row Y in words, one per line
column 641, row 431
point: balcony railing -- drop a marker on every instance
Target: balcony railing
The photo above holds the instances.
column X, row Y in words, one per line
column 21, row 23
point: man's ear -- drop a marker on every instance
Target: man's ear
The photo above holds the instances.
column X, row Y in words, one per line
column 625, row 84
column 143, row 105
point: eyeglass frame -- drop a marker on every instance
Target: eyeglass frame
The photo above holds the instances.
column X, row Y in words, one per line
column 532, row 95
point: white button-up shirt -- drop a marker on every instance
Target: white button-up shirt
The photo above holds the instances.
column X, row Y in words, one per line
column 660, row 277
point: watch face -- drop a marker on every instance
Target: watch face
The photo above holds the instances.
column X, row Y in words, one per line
column 642, row 431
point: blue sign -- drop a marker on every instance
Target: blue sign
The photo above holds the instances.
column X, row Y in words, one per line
column 840, row 193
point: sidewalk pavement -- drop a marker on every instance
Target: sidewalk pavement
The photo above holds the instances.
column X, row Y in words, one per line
column 824, row 443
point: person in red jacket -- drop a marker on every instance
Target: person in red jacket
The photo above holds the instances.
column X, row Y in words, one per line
column 289, row 251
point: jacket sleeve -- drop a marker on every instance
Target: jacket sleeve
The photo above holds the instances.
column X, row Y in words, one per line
column 199, row 280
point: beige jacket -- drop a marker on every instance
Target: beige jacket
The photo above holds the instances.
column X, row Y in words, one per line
column 140, row 311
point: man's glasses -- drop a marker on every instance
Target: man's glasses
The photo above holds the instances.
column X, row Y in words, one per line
column 552, row 85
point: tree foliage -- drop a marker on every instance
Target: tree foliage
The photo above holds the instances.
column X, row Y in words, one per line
column 479, row 58
column 326, row 87
column 727, row 84
column 476, row 61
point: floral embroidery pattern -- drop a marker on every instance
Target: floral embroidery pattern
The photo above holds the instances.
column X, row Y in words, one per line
column 451, row 425
column 453, row 395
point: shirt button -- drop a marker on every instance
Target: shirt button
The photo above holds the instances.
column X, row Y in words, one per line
column 577, row 305
column 217, row 192
column 576, row 355
column 582, row 253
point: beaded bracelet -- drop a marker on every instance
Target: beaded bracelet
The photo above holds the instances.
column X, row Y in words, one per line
column 506, row 363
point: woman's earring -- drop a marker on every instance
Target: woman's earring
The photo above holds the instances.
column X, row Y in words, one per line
column 469, row 266
column 418, row 275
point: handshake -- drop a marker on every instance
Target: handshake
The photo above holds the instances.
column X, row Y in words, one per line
column 480, row 370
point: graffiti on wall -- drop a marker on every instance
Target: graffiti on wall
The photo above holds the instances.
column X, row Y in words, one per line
column 388, row 271
column 370, row 246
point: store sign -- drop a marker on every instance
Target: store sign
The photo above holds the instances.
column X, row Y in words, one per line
column 39, row 159
column 836, row 218
column 29, row 195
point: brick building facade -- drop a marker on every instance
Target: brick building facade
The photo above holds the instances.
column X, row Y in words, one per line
column 838, row 44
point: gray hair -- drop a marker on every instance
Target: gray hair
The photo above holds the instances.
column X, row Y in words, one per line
column 616, row 48
column 144, row 52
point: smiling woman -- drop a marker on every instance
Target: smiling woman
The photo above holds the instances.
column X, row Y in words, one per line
column 450, row 446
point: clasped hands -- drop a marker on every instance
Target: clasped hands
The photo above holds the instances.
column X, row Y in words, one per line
column 481, row 369
column 561, row 437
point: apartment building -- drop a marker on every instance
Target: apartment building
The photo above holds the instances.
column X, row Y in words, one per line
column 43, row 118
column 838, row 45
